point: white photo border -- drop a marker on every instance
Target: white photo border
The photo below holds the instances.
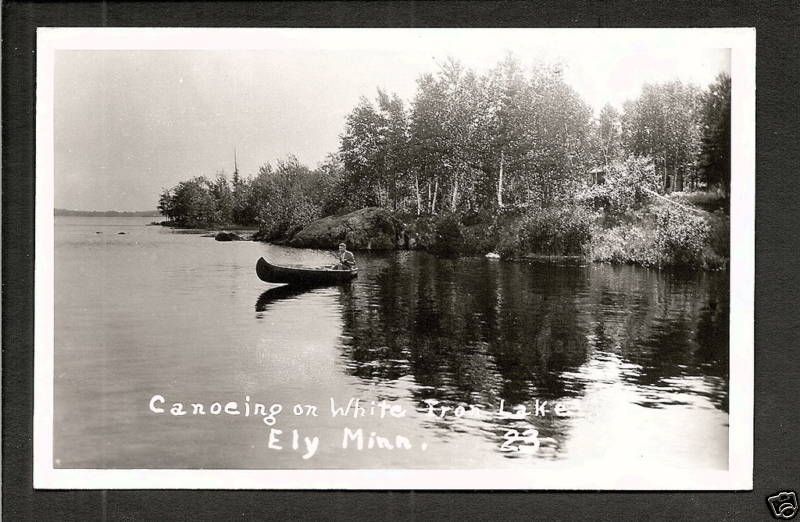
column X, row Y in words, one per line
column 738, row 476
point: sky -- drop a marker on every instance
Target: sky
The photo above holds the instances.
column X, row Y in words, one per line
column 130, row 123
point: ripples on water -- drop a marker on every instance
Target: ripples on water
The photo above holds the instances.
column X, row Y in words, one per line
column 639, row 358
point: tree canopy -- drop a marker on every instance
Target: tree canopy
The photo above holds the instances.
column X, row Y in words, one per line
column 469, row 142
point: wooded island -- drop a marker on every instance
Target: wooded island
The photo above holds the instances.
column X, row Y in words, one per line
column 512, row 161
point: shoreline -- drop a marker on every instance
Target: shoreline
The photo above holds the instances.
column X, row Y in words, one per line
column 565, row 260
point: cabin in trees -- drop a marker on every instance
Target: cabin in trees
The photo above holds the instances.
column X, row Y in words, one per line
column 596, row 176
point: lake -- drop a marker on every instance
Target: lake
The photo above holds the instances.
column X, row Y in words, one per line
column 635, row 359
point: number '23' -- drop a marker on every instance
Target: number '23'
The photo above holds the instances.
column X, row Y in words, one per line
column 514, row 440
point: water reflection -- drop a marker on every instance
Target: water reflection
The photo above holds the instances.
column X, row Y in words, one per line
column 279, row 293
column 638, row 357
column 473, row 331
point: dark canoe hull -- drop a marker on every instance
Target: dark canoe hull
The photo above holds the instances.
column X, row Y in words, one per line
column 302, row 276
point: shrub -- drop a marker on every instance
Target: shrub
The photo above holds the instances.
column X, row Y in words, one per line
column 564, row 230
column 419, row 233
column 508, row 239
column 479, row 238
column 626, row 244
column 681, row 237
column 720, row 234
column 477, row 217
column 667, row 236
column 449, row 239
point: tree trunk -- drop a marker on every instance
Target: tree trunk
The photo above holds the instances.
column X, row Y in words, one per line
column 419, row 198
column 455, row 194
column 500, row 182
column 428, row 206
column 435, row 195
column 394, row 192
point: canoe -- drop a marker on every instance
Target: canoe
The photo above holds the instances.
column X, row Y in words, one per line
column 301, row 276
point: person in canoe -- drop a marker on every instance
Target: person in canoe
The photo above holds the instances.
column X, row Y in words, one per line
column 347, row 260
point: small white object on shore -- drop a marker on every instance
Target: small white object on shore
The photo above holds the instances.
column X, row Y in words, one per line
column 492, row 255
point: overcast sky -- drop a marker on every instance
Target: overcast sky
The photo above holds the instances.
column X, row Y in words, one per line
column 130, row 123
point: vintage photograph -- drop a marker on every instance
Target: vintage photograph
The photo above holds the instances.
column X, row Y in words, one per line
column 364, row 258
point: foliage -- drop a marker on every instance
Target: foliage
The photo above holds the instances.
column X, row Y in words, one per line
column 627, row 186
column 468, row 141
column 331, row 193
column 552, row 231
column 189, row 204
column 446, row 136
column 449, row 239
column 626, row 244
column 242, row 212
column 559, row 147
column 285, row 198
column 220, row 192
column 480, row 238
column 709, row 201
column 719, row 239
column 374, row 150
column 608, row 135
column 665, row 124
column 680, row 237
column 497, row 161
column 666, row 236
column 715, row 158
column 277, row 200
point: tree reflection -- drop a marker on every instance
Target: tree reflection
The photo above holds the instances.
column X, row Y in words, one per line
column 473, row 331
column 466, row 330
column 477, row 331
column 669, row 325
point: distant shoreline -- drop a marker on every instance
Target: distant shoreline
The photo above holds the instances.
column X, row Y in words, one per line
column 106, row 213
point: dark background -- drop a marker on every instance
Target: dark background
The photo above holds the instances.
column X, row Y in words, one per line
column 776, row 464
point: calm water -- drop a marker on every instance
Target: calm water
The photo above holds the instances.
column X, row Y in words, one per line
column 637, row 359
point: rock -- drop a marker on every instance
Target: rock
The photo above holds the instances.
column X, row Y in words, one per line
column 228, row 236
column 370, row 228
column 121, row 233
